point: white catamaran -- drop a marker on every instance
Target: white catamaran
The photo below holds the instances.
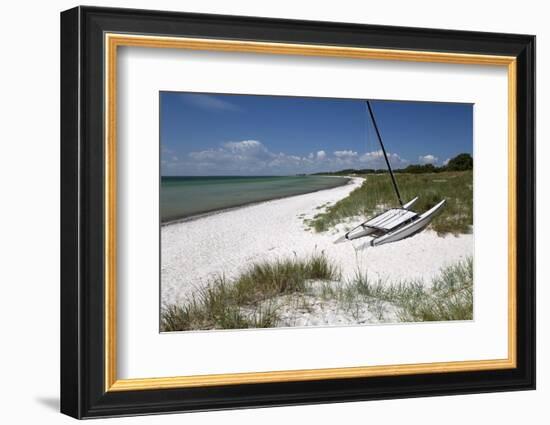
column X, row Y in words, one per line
column 396, row 223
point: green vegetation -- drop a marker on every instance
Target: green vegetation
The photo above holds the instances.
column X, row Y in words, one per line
column 253, row 300
column 377, row 194
column 461, row 162
column 449, row 297
column 223, row 304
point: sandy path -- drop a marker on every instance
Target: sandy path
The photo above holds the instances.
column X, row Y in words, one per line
column 194, row 252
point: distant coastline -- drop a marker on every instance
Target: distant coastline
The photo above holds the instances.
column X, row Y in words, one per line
column 189, row 198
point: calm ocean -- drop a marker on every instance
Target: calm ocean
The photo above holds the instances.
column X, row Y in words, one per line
column 182, row 197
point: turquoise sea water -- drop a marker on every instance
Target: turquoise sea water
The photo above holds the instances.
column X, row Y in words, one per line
column 183, row 197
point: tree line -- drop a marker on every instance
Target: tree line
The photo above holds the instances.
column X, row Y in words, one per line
column 461, row 162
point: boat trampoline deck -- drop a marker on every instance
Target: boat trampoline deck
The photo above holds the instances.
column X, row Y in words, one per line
column 391, row 219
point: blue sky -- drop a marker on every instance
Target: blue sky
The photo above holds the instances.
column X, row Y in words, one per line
column 217, row 134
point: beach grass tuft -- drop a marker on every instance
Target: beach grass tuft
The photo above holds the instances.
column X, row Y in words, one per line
column 449, row 296
column 242, row 303
column 377, row 194
column 251, row 300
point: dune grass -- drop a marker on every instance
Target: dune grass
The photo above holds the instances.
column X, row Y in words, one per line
column 377, row 194
column 251, row 300
column 448, row 297
column 223, row 304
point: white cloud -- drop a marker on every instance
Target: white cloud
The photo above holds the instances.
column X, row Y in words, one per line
column 249, row 157
column 210, row 102
column 372, row 156
column 243, row 146
column 375, row 159
column 345, row 154
column 246, row 157
column 247, row 148
column 446, row 161
column 427, row 159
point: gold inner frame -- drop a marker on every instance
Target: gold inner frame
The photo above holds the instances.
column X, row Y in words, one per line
column 113, row 41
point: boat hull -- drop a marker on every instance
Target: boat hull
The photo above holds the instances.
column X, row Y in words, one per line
column 361, row 231
column 410, row 229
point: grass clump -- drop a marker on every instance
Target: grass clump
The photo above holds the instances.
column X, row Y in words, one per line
column 244, row 302
column 449, row 297
column 253, row 300
column 377, row 194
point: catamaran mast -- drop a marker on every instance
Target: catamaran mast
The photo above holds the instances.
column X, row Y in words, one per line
column 385, row 155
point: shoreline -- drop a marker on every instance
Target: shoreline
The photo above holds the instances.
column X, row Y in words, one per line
column 195, row 252
column 252, row 203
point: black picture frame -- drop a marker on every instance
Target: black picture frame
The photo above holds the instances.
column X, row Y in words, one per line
column 83, row 392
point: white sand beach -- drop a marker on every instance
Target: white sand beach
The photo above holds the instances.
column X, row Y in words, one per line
column 193, row 252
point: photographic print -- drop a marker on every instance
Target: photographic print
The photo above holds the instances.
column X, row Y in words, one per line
column 281, row 211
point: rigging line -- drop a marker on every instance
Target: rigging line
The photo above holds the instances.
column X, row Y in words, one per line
column 385, row 154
